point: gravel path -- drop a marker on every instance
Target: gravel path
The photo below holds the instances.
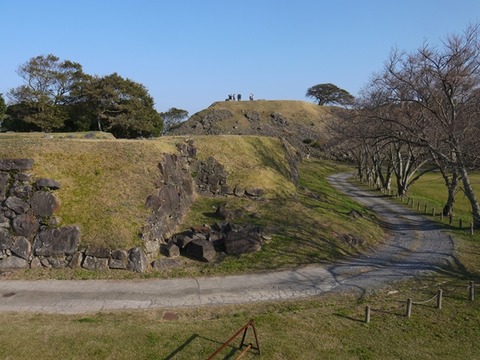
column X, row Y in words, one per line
column 415, row 246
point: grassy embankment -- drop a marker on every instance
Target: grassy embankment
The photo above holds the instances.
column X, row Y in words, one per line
column 318, row 328
column 105, row 184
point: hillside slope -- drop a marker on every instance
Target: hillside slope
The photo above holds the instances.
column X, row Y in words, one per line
column 105, row 182
column 301, row 123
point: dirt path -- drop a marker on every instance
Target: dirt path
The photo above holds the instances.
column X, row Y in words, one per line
column 416, row 246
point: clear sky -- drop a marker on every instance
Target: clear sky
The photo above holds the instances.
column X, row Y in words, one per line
column 190, row 53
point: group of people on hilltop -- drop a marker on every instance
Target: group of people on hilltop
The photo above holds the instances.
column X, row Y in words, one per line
column 238, row 97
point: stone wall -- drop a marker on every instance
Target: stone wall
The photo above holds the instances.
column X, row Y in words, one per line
column 31, row 235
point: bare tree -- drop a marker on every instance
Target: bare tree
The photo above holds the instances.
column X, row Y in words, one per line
column 430, row 99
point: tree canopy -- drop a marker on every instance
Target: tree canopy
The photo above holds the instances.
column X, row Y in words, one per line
column 172, row 117
column 3, row 107
column 58, row 96
column 329, row 94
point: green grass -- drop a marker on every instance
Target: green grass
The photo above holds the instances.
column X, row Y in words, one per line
column 430, row 189
column 317, row 328
column 305, row 224
column 105, row 184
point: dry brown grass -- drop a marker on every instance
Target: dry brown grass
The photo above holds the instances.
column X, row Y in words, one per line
column 105, row 182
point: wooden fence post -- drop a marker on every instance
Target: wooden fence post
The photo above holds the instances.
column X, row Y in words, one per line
column 439, row 299
column 425, row 209
column 471, row 228
column 433, row 211
column 367, row 314
column 409, row 307
column 472, row 291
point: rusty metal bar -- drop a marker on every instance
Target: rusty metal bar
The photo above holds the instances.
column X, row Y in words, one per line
column 244, row 351
column 242, row 344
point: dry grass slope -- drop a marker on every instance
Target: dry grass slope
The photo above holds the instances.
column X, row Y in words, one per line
column 297, row 121
column 105, row 182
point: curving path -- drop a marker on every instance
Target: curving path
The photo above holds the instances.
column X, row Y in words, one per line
column 415, row 246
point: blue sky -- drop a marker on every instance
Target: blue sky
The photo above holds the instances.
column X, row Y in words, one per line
column 190, row 53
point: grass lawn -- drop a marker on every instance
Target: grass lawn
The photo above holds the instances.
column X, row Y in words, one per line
column 330, row 327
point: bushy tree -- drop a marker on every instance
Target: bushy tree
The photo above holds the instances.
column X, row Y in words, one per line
column 46, row 92
column 325, row 94
column 120, row 106
column 172, row 118
column 3, row 109
column 59, row 96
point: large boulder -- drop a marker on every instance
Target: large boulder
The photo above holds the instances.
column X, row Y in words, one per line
column 54, row 242
column 166, row 264
column 137, row 261
column 246, row 240
column 201, row 249
column 228, row 214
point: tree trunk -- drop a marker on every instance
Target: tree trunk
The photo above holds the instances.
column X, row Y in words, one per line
column 452, row 190
column 448, row 207
column 471, row 197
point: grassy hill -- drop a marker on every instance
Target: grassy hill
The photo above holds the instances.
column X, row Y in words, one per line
column 105, row 183
column 301, row 123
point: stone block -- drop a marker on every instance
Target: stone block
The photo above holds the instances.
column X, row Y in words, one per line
column 25, row 224
column 44, row 203
column 47, row 184
column 22, row 248
column 16, row 164
column 53, row 242
column 165, row 264
column 93, row 263
column 6, row 239
column 137, row 261
column 16, row 204
column 202, row 250
column 13, row 262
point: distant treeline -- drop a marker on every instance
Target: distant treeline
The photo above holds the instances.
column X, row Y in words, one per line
column 57, row 96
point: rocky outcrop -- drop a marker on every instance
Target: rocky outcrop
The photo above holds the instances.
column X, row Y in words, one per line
column 210, row 243
column 30, row 235
column 300, row 123
column 181, row 178
column 27, row 216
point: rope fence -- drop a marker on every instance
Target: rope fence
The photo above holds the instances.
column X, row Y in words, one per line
column 438, row 297
column 410, row 201
column 427, row 209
